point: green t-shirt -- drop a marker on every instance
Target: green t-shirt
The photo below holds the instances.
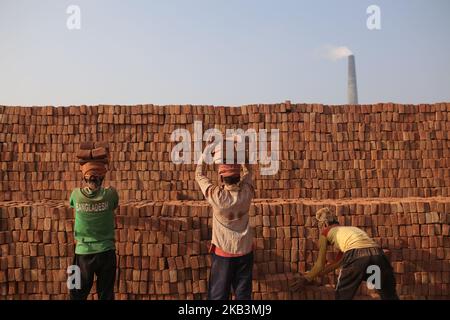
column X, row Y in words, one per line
column 94, row 219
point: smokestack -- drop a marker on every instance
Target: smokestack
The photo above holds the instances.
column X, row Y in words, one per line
column 352, row 85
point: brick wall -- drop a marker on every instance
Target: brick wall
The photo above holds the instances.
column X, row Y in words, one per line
column 162, row 247
column 326, row 152
column 384, row 168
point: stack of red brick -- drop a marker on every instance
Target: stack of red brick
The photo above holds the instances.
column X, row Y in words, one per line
column 162, row 246
column 93, row 152
column 326, row 152
column 381, row 156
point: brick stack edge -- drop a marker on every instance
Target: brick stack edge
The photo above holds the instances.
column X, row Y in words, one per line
column 384, row 168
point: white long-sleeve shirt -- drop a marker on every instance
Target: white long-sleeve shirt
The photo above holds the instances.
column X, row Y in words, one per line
column 231, row 230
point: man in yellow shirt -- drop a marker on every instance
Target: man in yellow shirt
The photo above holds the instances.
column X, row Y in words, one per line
column 359, row 256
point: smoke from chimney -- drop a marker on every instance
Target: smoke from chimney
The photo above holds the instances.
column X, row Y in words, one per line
column 334, row 53
column 352, row 84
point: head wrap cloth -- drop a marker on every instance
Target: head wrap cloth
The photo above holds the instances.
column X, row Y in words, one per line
column 93, row 168
column 229, row 170
column 325, row 215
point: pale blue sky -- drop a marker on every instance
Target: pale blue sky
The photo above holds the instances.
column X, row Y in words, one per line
column 221, row 52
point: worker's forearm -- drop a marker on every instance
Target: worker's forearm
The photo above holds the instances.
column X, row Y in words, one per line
column 199, row 168
column 321, row 259
column 247, row 174
column 315, row 271
column 329, row 268
column 245, row 169
column 326, row 270
column 198, row 171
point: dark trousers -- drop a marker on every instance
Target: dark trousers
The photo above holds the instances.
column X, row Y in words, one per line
column 231, row 273
column 355, row 270
column 103, row 265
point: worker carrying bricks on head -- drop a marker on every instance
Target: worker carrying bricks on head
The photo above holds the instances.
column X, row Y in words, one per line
column 94, row 226
column 358, row 257
column 232, row 236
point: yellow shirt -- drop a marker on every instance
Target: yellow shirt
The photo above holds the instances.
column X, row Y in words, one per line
column 346, row 238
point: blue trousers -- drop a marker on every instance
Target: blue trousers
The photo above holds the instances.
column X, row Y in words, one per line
column 231, row 274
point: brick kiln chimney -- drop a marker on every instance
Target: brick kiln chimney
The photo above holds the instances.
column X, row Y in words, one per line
column 352, row 89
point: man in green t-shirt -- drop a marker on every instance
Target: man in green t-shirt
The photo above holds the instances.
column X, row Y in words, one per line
column 94, row 233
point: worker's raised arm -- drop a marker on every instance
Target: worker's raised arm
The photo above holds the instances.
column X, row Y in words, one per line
column 247, row 174
column 246, row 170
column 203, row 181
column 320, row 263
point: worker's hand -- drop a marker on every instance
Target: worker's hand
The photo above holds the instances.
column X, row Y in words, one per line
column 307, row 277
column 201, row 159
column 300, row 283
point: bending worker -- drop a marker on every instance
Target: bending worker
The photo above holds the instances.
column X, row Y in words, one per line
column 357, row 252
